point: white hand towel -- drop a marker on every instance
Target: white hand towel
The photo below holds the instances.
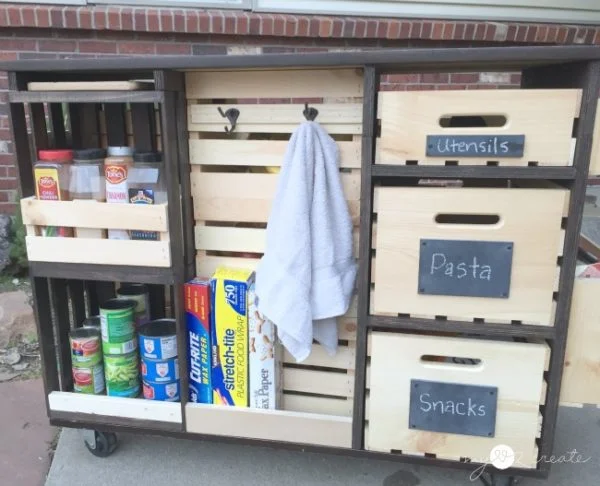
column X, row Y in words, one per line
column 306, row 276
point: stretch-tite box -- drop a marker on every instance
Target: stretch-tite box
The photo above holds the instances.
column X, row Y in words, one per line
column 229, row 335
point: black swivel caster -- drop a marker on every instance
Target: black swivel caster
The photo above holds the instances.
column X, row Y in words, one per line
column 497, row 480
column 101, row 444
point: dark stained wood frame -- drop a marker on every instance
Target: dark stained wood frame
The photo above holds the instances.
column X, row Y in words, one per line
column 543, row 67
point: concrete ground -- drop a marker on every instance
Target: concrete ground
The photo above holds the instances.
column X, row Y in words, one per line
column 159, row 461
column 25, row 436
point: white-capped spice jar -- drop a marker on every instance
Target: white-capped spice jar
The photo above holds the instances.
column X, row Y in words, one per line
column 116, row 172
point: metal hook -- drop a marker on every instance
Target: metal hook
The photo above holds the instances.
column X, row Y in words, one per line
column 310, row 113
column 232, row 115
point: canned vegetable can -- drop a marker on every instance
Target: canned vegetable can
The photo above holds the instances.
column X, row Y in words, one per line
column 164, row 392
column 122, row 375
column 140, row 294
column 89, row 380
column 120, row 348
column 160, row 371
column 158, row 339
column 85, row 347
column 117, row 321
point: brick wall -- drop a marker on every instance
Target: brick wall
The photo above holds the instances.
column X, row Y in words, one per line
column 35, row 32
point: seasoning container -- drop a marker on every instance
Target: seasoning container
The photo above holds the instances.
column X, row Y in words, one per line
column 52, row 173
column 147, row 186
column 116, row 172
column 141, row 295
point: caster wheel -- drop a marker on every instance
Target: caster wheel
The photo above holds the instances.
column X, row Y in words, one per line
column 499, row 480
column 102, row 444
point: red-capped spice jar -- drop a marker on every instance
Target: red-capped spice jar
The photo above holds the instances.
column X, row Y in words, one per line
column 52, row 176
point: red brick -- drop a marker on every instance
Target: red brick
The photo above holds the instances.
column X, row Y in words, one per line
column 403, row 78
column 490, row 32
column 303, row 27
column 420, row 87
column 11, row 171
column 426, row 30
column 589, row 37
column 448, row 33
column 28, row 14
column 338, row 27
column 542, row 33
column 8, row 44
column 393, row 31
column 349, row 26
column 562, row 35
column 173, row 48
column 127, row 19
column 7, row 159
column 511, row 33
column 278, row 26
column 315, row 25
column 56, row 18
column 325, row 28
column 49, row 45
column 166, row 20
column 137, row 47
column 552, row 31
column 405, row 30
column 597, row 37
column 97, row 47
column 204, row 22
column 153, row 22
column 371, row 28
column 8, row 56
column 100, row 20
column 521, row 33
column 515, row 78
column 415, row 30
column 14, row 16
column 480, row 32
column 3, row 17
column 382, row 28
column 217, row 22
column 464, row 78
column 571, row 35
column 469, row 31
column 71, row 21
column 3, row 83
column 435, row 78
column 361, row 28
column 531, row 33
column 8, row 183
column 114, row 19
column 85, row 18
column 179, row 21
column 267, row 25
column 437, row 31
column 139, row 20
column 243, row 23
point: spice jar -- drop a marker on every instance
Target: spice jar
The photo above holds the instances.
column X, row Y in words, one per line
column 87, row 174
column 147, row 186
column 116, row 172
column 52, row 173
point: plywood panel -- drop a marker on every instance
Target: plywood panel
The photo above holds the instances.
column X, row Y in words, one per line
column 545, row 117
column 313, row 83
column 318, row 382
column 323, row 405
column 405, row 215
column 595, row 157
column 344, row 358
column 396, row 358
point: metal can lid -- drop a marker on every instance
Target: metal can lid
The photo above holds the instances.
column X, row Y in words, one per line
column 92, row 321
column 88, row 154
column 158, row 328
column 60, row 156
column 147, row 157
column 120, row 151
column 118, row 304
column 84, row 332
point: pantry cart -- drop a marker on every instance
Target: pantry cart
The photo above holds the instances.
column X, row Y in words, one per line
column 467, row 208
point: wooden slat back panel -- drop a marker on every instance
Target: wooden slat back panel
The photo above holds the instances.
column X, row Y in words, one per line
column 234, row 179
column 545, row 117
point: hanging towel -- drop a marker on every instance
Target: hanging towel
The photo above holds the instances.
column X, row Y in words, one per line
column 306, row 276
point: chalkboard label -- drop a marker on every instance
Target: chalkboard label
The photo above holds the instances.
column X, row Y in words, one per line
column 489, row 146
column 453, row 408
column 465, row 268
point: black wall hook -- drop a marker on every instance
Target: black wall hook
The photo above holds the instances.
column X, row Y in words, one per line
column 232, row 115
column 309, row 112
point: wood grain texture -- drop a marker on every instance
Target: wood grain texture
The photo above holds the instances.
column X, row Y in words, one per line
column 581, row 373
column 397, row 359
column 594, row 170
column 257, row 152
column 545, row 117
column 340, row 118
column 320, row 405
column 85, row 96
column 306, row 83
column 536, row 235
column 324, row 430
column 318, row 382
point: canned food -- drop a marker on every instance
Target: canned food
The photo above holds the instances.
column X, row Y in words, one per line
column 164, row 392
column 85, row 347
column 122, row 375
column 116, row 319
column 120, row 348
column 158, row 339
column 158, row 371
column 138, row 293
column 89, row 380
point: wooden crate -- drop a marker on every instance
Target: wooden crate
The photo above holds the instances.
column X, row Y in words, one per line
column 396, row 359
column 582, row 360
column 233, row 180
column 84, row 214
column 544, row 117
column 530, row 219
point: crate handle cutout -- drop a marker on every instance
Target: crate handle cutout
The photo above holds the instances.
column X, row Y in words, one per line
column 451, row 362
column 471, row 219
column 472, row 121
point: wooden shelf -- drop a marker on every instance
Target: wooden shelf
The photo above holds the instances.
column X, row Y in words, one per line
column 476, row 172
column 85, row 96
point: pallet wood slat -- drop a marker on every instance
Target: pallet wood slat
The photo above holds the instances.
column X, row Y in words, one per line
column 545, row 117
column 308, row 428
column 594, row 170
column 305, row 83
column 318, row 382
column 397, row 359
column 258, row 152
column 343, row 359
column 321, row 405
column 536, row 235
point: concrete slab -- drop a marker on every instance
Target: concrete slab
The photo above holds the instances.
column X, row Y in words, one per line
column 26, row 435
column 163, row 461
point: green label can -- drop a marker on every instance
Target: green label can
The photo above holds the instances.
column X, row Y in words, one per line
column 117, row 320
column 120, row 348
column 122, row 375
column 89, row 380
column 85, row 347
column 139, row 293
